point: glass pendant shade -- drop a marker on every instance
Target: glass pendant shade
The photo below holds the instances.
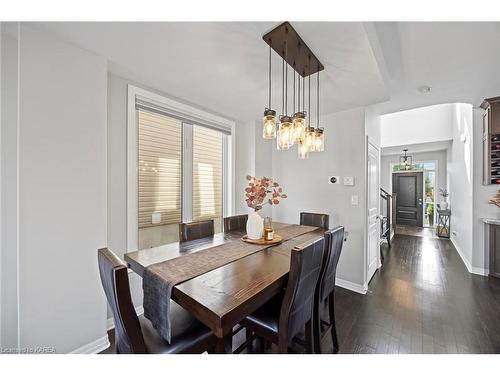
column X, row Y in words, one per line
column 284, row 138
column 269, row 124
column 319, row 140
column 299, row 127
column 303, row 150
column 310, row 138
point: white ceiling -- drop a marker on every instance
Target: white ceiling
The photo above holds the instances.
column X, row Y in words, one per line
column 416, row 147
column 223, row 66
column 459, row 60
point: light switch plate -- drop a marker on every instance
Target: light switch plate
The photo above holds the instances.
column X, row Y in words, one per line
column 349, row 181
column 354, row 200
column 334, row 180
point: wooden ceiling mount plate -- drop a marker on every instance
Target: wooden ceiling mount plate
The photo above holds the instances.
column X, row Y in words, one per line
column 287, row 43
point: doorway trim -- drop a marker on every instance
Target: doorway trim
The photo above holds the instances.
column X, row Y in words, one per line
column 369, row 143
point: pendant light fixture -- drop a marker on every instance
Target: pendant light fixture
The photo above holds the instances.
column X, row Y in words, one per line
column 405, row 161
column 284, row 138
column 297, row 128
column 309, row 131
column 269, row 121
column 319, row 135
column 299, row 120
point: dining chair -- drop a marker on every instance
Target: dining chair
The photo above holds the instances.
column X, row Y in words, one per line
column 237, row 222
column 325, row 290
column 136, row 335
column 290, row 312
column 195, row 230
column 315, row 220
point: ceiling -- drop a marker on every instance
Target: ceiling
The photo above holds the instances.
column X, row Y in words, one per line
column 416, row 147
column 222, row 66
column 458, row 60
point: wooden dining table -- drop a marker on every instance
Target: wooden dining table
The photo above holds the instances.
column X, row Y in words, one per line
column 223, row 297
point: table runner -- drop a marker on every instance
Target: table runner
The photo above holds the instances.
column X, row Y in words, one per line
column 159, row 279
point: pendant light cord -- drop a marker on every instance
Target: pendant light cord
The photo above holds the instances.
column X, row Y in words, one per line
column 317, row 107
column 283, row 86
column 309, row 99
column 298, row 92
column 294, row 107
column 269, row 77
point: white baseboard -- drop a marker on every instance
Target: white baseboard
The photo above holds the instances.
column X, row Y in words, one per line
column 110, row 324
column 470, row 268
column 350, row 286
column 93, row 347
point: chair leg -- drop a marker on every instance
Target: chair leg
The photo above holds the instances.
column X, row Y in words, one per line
column 331, row 311
column 261, row 345
column 316, row 328
column 248, row 335
column 309, row 337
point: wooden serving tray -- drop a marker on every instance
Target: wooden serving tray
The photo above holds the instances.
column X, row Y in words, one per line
column 261, row 241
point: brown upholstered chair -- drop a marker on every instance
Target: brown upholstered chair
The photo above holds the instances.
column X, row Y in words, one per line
column 315, row 220
column 135, row 334
column 290, row 313
column 196, row 230
column 233, row 223
column 325, row 290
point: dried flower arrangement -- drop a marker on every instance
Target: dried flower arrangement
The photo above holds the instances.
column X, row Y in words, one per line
column 495, row 200
column 258, row 189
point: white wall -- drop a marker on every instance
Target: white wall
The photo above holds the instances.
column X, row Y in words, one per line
column 8, row 273
column 245, row 162
column 421, row 125
column 306, row 183
column 439, row 156
column 62, row 194
column 460, row 174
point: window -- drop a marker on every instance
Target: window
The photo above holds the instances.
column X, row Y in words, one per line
column 207, row 175
column 181, row 170
column 159, row 169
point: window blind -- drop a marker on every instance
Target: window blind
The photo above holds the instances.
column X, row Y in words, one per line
column 160, row 156
column 207, row 174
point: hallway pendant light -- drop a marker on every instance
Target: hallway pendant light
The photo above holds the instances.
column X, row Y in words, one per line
column 269, row 121
column 405, row 161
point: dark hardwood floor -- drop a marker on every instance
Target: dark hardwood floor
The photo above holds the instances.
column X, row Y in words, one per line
column 422, row 300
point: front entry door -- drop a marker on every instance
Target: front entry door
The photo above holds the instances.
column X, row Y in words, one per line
column 408, row 187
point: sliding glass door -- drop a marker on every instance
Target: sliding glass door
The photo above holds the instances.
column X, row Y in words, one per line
column 180, row 176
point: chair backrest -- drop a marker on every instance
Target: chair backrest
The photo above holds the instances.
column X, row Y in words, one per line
column 238, row 222
column 114, row 279
column 195, row 230
column 315, row 220
column 334, row 240
column 297, row 306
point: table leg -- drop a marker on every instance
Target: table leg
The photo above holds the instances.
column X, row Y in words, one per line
column 224, row 345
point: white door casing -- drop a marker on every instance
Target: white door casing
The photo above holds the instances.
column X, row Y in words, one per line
column 373, row 215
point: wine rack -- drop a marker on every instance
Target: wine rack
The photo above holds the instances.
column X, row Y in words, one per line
column 495, row 159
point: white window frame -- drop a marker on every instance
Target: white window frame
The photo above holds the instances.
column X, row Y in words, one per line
column 189, row 115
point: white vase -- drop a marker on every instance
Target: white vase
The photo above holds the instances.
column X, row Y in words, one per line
column 443, row 205
column 255, row 226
